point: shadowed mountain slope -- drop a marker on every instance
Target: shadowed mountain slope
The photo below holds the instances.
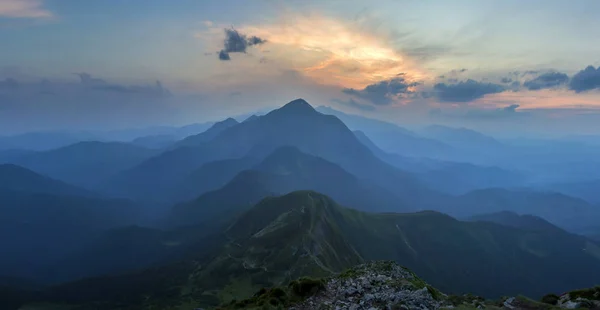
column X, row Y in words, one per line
column 86, row 163
column 296, row 124
column 287, row 170
column 305, row 233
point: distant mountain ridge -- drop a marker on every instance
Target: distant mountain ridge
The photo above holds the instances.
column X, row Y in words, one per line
column 446, row 176
column 207, row 135
column 85, row 163
column 391, row 137
column 570, row 213
column 512, row 219
column 461, row 137
column 287, row 169
column 16, row 178
column 295, row 124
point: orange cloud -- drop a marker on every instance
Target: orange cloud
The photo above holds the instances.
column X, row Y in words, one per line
column 332, row 52
column 542, row 99
column 24, row 9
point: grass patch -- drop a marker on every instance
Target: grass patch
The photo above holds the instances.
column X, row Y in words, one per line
column 467, row 299
column 435, row 293
column 279, row 297
column 305, row 287
column 590, row 293
column 522, row 302
column 551, row 299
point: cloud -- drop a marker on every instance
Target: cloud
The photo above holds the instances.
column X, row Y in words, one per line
column 156, row 90
column 98, row 84
column 470, row 113
column 384, row 92
column 236, row 42
column 87, row 79
column 23, row 9
column 85, row 102
column 465, row 91
column 585, row 80
column 223, row 55
column 326, row 50
column 510, row 108
column 547, row 80
column 354, row 104
column 425, row 53
column 254, row 40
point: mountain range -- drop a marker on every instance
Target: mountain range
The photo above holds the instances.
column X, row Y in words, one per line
column 296, row 124
column 85, row 163
column 286, row 170
column 305, row 233
column 42, row 215
column 166, row 222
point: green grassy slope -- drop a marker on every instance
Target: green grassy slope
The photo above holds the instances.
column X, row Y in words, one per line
column 306, row 233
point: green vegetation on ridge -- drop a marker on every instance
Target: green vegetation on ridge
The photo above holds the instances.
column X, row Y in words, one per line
column 306, row 233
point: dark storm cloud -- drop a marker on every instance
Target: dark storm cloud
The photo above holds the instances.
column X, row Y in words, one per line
column 585, row 80
column 506, row 80
column 354, row 104
column 383, row 92
column 236, row 42
column 547, row 80
column 465, row 91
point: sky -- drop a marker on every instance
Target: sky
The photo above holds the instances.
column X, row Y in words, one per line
column 510, row 66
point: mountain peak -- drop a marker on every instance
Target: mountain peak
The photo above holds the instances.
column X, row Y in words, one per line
column 227, row 122
column 298, row 106
column 251, row 118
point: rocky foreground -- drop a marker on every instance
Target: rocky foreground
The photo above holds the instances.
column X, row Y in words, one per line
column 386, row 285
